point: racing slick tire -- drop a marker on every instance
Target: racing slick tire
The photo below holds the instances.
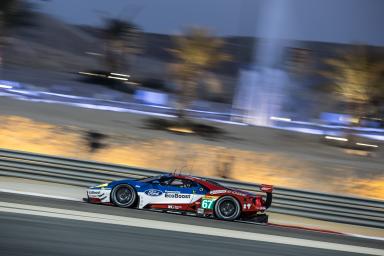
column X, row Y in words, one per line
column 124, row 195
column 227, row 208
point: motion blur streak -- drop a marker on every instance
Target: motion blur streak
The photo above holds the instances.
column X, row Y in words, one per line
column 176, row 227
column 296, row 170
column 335, row 138
column 367, row 145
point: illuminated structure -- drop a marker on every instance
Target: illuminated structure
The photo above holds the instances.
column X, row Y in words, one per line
column 280, row 25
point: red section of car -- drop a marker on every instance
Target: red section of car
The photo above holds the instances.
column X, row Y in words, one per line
column 94, row 200
column 177, row 207
column 259, row 202
column 251, row 205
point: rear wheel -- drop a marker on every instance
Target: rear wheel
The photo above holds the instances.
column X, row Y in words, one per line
column 123, row 195
column 227, row 208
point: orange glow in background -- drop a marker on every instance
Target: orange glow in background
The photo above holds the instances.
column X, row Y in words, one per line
column 201, row 159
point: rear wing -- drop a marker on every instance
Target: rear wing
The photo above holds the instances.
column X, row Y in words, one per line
column 268, row 190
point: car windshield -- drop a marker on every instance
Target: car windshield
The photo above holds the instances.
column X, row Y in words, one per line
column 150, row 179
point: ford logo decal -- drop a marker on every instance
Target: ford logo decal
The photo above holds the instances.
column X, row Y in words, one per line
column 153, row 192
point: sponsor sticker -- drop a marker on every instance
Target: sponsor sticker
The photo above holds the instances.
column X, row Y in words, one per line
column 174, row 207
column 207, row 202
column 94, row 192
column 176, row 194
column 214, row 192
column 153, row 192
column 238, row 193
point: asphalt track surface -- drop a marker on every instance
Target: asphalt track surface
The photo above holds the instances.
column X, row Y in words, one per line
column 22, row 234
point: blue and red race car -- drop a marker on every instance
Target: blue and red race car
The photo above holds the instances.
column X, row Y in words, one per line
column 183, row 193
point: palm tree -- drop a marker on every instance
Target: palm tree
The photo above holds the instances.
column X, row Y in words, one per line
column 354, row 77
column 196, row 52
column 13, row 13
column 121, row 41
column 8, row 9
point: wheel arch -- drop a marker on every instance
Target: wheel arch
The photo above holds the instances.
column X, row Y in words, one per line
column 231, row 196
column 136, row 201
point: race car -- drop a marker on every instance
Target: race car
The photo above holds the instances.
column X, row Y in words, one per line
column 183, row 193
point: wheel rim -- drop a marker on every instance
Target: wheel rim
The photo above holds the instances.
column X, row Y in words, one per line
column 123, row 195
column 227, row 208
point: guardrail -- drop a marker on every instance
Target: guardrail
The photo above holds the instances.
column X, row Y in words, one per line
column 343, row 209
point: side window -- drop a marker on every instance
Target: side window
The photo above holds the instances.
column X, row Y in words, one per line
column 190, row 184
column 177, row 183
column 182, row 183
column 165, row 181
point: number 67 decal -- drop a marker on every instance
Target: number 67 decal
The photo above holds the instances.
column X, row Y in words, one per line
column 207, row 203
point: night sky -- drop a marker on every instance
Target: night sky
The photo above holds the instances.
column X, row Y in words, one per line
column 346, row 21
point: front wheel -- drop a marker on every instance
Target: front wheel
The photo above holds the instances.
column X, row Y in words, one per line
column 227, row 208
column 123, row 195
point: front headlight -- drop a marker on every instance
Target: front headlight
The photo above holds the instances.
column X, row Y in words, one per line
column 102, row 185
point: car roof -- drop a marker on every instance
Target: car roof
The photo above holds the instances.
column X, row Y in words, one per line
column 205, row 182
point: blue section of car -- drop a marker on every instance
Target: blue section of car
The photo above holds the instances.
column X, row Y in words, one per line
column 156, row 189
column 153, row 192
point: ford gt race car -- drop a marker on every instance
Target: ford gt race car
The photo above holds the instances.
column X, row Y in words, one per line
column 182, row 193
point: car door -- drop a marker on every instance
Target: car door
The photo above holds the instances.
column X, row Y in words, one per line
column 153, row 192
column 178, row 191
column 168, row 191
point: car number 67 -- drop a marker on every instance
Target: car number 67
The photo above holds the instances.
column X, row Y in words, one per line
column 207, row 204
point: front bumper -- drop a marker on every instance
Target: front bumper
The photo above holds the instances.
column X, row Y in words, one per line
column 99, row 195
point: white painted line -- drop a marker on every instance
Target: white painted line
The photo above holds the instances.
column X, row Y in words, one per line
column 118, row 74
column 223, row 121
column 367, row 145
column 38, row 194
column 64, row 95
column 283, row 119
column 5, row 86
column 336, row 138
column 118, row 78
column 177, row 227
column 249, row 222
column 366, row 237
column 98, row 107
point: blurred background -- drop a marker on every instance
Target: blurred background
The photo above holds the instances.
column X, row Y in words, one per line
column 283, row 92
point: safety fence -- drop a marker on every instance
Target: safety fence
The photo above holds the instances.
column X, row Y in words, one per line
column 335, row 208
